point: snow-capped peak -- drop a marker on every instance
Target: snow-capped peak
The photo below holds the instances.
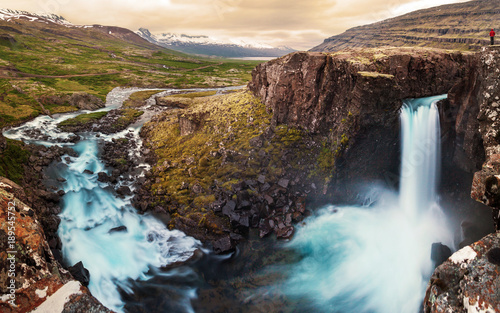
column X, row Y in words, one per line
column 171, row 38
column 8, row 14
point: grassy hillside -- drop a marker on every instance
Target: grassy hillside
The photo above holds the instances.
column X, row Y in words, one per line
column 40, row 59
column 461, row 26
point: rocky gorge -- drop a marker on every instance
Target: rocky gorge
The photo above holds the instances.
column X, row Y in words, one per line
column 301, row 89
column 305, row 133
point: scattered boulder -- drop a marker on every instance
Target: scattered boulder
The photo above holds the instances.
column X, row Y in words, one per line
column 80, row 273
column 118, row 229
column 103, row 177
column 223, row 245
column 439, row 253
column 123, row 191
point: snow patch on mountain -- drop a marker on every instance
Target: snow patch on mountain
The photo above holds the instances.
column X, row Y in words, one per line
column 8, row 15
column 202, row 44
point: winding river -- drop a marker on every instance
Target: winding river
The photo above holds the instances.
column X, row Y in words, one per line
column 374, row 257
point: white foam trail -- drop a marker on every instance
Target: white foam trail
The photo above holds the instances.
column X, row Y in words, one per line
column 89, row 212
column 378, row 258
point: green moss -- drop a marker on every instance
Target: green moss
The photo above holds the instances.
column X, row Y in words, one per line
column 127, row 117
column 138, row 99
column 344, row 141
column 375, row 74
column 121, row 161
column 196, row 94
column 202, row 201
column 83, row 119
column 12, row 160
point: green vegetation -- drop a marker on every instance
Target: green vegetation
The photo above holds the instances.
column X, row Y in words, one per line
column 53, row 60
column 82, row 119
column 127, row 117
column 138, row 99
column 227, row 123
column 185, row 100
column 235, row 142
column 375, row 74
column 192, row 95
column 12, row 161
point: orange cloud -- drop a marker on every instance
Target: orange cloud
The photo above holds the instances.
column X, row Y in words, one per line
column 299, row 24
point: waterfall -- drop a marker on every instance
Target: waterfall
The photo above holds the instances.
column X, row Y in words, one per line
column 377, row 258
column 421, row 139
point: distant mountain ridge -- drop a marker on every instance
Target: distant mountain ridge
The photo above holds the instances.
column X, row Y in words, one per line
column 8, row 14
column 206, row 45
column 127, row 35
column 463, row 26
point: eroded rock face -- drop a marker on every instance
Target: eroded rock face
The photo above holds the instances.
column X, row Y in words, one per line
column 354, row 99
column 315, row 91
column 80, row 100
column 85, row 101
column 485, row 185
column 468, row 281
column 30, row 277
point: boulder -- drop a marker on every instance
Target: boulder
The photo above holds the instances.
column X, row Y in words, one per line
column 223, row 245
column 85, row 101
column 80, row 273
column 467, row 281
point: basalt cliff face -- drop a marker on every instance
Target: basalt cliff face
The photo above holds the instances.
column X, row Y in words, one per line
column 468, row 281
column 354, row 98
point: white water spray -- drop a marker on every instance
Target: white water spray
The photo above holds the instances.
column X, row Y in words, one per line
column 378, row 258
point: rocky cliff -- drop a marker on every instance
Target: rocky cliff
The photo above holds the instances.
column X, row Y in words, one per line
column 31, row 280
column 460, row 26
column 468, row 281
column 354, row 98
column 485, row 185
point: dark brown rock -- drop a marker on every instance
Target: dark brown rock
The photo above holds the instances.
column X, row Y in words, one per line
column 85, row 101
column 80, row 273
column 223, row 245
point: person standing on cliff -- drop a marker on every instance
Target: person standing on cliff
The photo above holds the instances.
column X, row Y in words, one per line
column 492, row 36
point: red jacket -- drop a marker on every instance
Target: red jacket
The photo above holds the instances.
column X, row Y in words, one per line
column 492, row 33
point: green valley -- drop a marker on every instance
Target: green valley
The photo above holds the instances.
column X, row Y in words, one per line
column 40, row 60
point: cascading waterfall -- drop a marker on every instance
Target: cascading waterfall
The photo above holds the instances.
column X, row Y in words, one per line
column 377, row 258
column 90, row 212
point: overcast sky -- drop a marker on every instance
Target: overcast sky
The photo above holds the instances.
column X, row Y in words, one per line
column 294, row 23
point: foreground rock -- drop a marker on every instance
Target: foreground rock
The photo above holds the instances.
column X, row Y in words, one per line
column 30, row 277
column 468, row 281
column 485, row 187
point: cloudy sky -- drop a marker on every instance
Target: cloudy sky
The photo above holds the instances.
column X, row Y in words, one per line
column 298, row 24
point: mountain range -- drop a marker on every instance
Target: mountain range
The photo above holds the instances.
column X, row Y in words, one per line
column 205, row 45
column 461, row 26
